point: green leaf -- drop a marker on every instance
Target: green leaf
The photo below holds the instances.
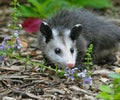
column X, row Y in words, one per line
column 51, row 6
column 94, row 3
column 36, row 3
column 104, row 96
column 114, row 75
column 27, row 11
column 97, row 3
column 106, row 89
column 116, row 82
column 44, row 8
column 118, row 88
column 116, row 96
column 61, row 73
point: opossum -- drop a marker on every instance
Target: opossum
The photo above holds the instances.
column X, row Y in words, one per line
column 65, row 37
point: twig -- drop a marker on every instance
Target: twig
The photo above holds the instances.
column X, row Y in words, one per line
column 27, row 94
column 13, row 77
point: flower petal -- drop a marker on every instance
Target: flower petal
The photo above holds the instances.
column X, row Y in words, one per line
column 31, row 25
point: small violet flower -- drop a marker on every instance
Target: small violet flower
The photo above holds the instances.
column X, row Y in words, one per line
column 3, row 43
column 16, row 35
column 6, row 38
column 70, row 73
column 74, row 70
column 2, row 47
column 1, row 58
column 86, row 80
column 18, row 43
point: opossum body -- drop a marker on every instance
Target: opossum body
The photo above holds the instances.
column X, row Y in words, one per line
column 64, row 38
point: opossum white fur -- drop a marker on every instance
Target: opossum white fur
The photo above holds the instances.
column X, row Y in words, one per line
column 72, row 31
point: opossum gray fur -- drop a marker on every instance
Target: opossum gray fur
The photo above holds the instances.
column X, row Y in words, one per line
column 70, row 32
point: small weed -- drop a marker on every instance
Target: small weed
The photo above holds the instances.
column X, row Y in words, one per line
column 11, row 43
column 88, row 59
column 110, row 92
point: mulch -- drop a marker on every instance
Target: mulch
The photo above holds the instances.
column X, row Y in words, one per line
column 19, row 81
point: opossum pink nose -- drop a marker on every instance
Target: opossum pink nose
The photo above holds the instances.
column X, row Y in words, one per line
column 70, row 65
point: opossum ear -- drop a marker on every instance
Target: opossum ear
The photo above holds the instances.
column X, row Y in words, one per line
column 75, row 31
column 46, row 31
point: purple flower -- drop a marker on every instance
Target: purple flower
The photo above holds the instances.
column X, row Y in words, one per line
column 82, row 74
column 86, row 79
column 16, row 33
column 6, row 46
column 4, row 41
column 1, row 58
column 6, row 38
column 1, row 47
column 71, row 77
column 74, row 70
column 70, row 73
column 18, row 43
column 18, row 47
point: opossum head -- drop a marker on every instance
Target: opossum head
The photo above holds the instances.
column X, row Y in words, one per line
column 60, row 44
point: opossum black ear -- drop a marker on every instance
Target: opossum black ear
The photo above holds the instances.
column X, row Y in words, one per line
column 46, row 31
column 76, row 31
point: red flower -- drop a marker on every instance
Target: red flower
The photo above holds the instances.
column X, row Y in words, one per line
column 32, row 25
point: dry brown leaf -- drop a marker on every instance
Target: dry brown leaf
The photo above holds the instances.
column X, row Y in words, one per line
column 117, row 70
column 24, row 43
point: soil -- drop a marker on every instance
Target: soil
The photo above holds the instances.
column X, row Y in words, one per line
column 21, row 81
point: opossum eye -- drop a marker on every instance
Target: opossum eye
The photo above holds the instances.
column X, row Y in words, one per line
column 57, row 50
column 72, row 50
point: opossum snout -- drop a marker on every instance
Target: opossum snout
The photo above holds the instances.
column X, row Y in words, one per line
column 70, row 65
